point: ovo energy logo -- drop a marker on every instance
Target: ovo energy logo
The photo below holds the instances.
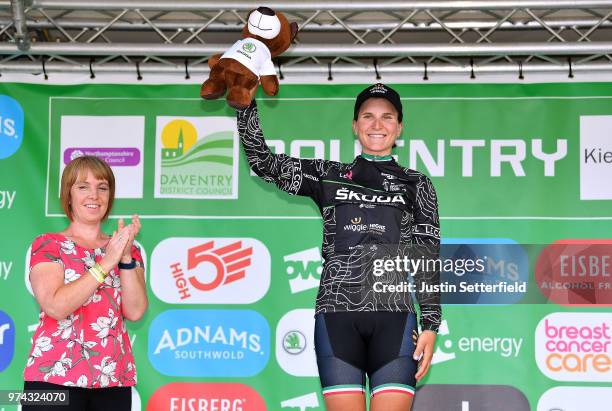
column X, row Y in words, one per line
column 304, row 269
column 575, row 346
column 11, row 126
column 196, row 158
column 210, row 270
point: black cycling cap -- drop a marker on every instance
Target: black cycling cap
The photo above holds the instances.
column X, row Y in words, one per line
column 379, row 90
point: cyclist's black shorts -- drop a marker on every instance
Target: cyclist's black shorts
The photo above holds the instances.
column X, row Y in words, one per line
column 379, row 344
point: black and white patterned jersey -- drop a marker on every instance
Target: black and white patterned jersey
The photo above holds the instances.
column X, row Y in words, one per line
column 372, row 209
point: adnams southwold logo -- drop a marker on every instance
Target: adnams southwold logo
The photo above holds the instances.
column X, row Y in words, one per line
column 575, row 346
column 209, row 343
column 576, row 399
column 595, row 158
column 450, row 346
column 11, row 126
column 196, row 158
column 118, row 140
column 295, row 343
column 304, row 269
column 210, row 270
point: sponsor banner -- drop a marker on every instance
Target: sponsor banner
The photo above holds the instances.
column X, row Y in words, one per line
column 195, row 157
column 449, row 345
column 7, row 340
column 302, row 403
column 575, row 347
column 304, row 269
column 209, row 343
column 119, row 140
column 7, row 198
column 576, row 272
column 210, row 270
column 295, row 343
column 595, row 158
column 576, row 399
column 191, row 396
column 439, row 397
column 11, row 126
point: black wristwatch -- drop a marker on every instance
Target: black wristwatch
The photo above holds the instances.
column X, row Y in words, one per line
column 128, row 266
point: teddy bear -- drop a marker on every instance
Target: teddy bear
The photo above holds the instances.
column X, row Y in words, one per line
column 249, row 61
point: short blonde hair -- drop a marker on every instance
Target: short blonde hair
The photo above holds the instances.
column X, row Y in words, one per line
column 77, row 169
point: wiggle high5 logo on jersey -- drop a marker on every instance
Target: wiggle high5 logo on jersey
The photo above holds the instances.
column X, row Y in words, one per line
column 210, row 270
column 575, row 346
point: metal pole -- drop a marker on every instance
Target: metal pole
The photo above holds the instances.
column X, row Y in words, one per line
column 321, row 50
column 21, row 28
column 291, row 5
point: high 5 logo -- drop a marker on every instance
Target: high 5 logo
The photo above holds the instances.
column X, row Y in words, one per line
column 210, row 270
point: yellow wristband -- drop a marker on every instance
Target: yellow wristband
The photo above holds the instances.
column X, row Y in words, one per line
column 98, row 273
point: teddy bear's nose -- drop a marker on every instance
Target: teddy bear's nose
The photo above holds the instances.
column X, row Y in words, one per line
column 266, row 11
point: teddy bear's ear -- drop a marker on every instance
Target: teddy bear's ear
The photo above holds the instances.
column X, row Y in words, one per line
column 294, row 30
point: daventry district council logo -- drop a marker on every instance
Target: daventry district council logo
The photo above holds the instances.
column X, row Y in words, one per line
column 196, row 158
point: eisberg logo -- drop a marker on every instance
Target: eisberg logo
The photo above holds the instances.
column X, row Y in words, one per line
column 295, row 343
column 304, row 269
column 210, row 270
column 576, row 399
column 350, row 195
column 11, row 126
column 7, row 340
column 209, row 343
column 191, row 396
column 575, row 346
column 303, row 402
column 595, row 158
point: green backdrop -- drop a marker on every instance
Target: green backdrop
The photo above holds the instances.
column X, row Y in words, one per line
column 509, row 185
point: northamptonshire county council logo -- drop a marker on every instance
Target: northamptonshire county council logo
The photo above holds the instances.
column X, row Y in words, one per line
column 11, row 126
column 196, row 158
column 249, row 47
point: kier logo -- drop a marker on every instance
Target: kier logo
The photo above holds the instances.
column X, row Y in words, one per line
column 229, row 262
column 210, row 270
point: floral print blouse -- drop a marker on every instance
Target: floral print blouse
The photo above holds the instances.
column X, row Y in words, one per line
column 90, row 348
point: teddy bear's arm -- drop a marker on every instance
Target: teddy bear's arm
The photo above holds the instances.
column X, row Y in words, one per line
column 269, row 84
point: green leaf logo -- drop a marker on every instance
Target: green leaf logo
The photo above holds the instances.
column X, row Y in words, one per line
column 294, row 342
column 249, row 47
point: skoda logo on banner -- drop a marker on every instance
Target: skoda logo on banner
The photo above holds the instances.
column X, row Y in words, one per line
column 209, row 343
column 11, row 126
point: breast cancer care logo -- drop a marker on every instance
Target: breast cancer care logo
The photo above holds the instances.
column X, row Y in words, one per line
column 196, row 158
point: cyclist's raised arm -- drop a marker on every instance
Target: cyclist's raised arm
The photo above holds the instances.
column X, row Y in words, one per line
column 293, row 175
